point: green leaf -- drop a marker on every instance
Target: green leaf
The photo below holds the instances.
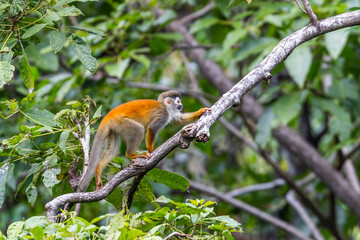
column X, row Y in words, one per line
column 62, row 141
column 142, row 59
column 8, row 57
column 36, row 221
column 341, row 128
column 158, row 46
column 167, row 16
column 61, row 113
column 57, row 40
column 6, row 72
column 74, row 104
column 50, row 177
column 34, row 29
column 228, row 220
column 253, row 47
column 115, row 198
column 38, row 233
column 336, row 41
column 4, row 6
column 15, row 229
column 101, row 218
column 97, row 114
column 145, row 190
column 203, row 23
column 163, row 199
column 298, row 64
column 64, row 2
column 69, row 11
column 263, row 128
column 28, row 98
column 25, row 73
column 89, row 30
column 5, row 172
column 42, row 117
column 233, row 3
column 117, row 69
column 172, row 180
column 287, row 107
column 234, row 37
column 34, row 170
column 83, row 51
column 169, row 36
column 31, row 193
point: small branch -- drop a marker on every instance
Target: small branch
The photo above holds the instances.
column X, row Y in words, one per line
column 191, row 17
column 256, row 187
column 132, row 190
column 248, row 208
column 312, row 16
column 352, row 151
column 351, row 175
column 290, row 197
column 73, row 20
column 297, row 3
column 176, row 234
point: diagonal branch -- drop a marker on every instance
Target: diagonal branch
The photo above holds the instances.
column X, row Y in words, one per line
column 285, row 135
column 200, row 129
column 195, row 15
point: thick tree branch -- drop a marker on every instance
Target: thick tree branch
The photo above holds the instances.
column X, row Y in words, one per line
column 136, row 167
column 285, row 135
column 248, row 208
column 200, row 129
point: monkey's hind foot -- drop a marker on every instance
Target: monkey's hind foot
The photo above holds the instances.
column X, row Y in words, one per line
column 146, row 155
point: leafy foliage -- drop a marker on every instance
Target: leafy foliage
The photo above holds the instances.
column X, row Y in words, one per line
column 192, row 219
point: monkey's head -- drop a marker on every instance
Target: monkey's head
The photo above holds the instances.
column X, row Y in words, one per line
column 172, row 100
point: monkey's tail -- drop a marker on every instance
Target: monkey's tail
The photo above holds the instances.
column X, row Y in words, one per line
column 94, row 159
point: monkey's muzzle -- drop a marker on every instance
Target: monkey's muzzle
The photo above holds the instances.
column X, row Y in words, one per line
column 179, row 107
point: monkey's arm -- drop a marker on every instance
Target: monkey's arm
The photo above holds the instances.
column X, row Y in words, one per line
column 189, row 117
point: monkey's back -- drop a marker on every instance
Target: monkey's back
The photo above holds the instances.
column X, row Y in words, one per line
column 142, row 111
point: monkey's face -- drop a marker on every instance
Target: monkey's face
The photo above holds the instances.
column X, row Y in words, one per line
column 177, row 102
column 173, row 104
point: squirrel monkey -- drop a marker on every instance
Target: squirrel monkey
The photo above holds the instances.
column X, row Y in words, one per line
column 128, row 121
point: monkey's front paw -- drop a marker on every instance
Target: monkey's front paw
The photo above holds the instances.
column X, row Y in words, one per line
column 205, row 110
column 99, row 186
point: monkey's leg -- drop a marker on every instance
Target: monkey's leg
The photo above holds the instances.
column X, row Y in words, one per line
column 132, row 133
column 111, row 150
column 151, row 133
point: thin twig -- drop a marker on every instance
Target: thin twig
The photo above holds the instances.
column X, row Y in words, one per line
column 300, row 209
column 351, row 175
column 132, row 190
column 352, row 151
column 297, row 3
column 312, row 16
column 257, row 187
column 176, row 234
column 191, row 17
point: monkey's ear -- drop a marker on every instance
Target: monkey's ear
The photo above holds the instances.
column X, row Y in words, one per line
column 167, row 101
